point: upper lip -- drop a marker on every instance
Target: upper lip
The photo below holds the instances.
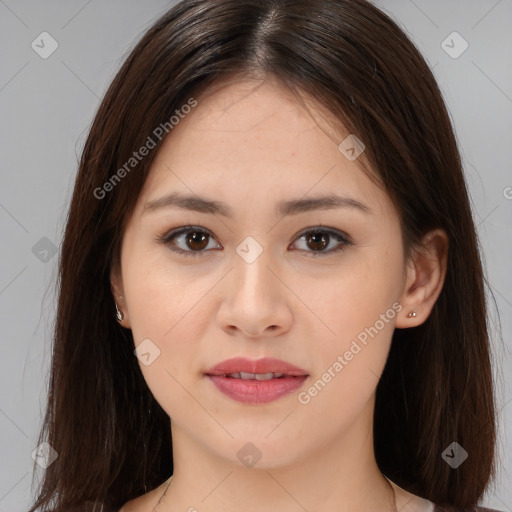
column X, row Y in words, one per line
column 264, row 365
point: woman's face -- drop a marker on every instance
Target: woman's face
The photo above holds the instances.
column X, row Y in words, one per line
column 254, row 284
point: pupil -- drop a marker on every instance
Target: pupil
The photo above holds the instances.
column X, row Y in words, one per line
column 318, row 239
column 317, row 242
column 197, row 238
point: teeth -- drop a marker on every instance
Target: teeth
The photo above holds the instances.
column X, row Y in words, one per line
column 264, row 376
column 254, row 376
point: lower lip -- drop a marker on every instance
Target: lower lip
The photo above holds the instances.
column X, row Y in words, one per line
column 257, row 391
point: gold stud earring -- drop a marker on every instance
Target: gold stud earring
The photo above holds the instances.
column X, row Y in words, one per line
column 411, row 314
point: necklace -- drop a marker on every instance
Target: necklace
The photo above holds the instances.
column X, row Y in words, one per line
column 167, row 488
column 394, row 495
column 162, row 497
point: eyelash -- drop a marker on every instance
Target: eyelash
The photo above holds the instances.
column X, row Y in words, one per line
column 171, row 235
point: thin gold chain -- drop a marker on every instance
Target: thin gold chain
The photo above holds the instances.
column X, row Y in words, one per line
column 167, row 488
column 394, row 495
column 162, row 497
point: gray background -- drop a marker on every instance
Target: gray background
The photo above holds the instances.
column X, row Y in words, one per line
column 47, row 106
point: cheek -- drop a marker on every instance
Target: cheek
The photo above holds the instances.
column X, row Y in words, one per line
column 159, row 295
column 354, row 296
column 165, row 311
column 348, row 369
column 359, row 308
column 161, row 310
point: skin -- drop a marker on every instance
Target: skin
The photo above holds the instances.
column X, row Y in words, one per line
column 251, row 145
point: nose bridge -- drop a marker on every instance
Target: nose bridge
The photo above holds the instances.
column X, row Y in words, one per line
column 252, row 277
column 254, row 300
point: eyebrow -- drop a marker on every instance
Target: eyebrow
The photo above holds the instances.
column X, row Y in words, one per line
column 285, row 208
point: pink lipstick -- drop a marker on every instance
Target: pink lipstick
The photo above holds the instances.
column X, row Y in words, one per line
column 256, row 381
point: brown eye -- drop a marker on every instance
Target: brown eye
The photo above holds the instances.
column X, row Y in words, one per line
column 196, row 240
column 189, row 241
column 317, row 240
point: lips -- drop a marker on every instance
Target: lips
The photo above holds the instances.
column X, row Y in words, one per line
column 256, row 366
column 256, row 380
column 255, row 376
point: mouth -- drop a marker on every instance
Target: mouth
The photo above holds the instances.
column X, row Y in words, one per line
column 256, row 381
column 254, row 376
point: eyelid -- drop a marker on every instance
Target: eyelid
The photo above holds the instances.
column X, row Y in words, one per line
column 173, row 233
column 343, row 238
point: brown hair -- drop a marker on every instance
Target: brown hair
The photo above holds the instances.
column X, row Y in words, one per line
column 112, row 437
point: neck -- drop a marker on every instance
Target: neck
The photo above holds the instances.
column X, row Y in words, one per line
column 340, row 475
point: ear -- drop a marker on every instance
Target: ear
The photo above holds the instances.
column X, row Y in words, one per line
column 117, row 288
column 426, row 272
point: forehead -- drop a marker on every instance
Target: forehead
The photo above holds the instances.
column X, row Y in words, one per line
column 250, row 140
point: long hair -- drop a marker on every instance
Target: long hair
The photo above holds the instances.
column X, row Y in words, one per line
column 112, row 438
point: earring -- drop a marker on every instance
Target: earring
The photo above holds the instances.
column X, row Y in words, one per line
column 119, row 314
column 411, row 314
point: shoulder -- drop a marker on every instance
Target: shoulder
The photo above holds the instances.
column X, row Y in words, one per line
column 438, row 508
column 88, row 506
column 145, row 502
column 142, row 503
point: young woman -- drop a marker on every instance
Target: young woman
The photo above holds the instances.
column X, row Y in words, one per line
column 270, row 284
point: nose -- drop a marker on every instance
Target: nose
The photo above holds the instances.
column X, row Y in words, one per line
column 256, row 301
